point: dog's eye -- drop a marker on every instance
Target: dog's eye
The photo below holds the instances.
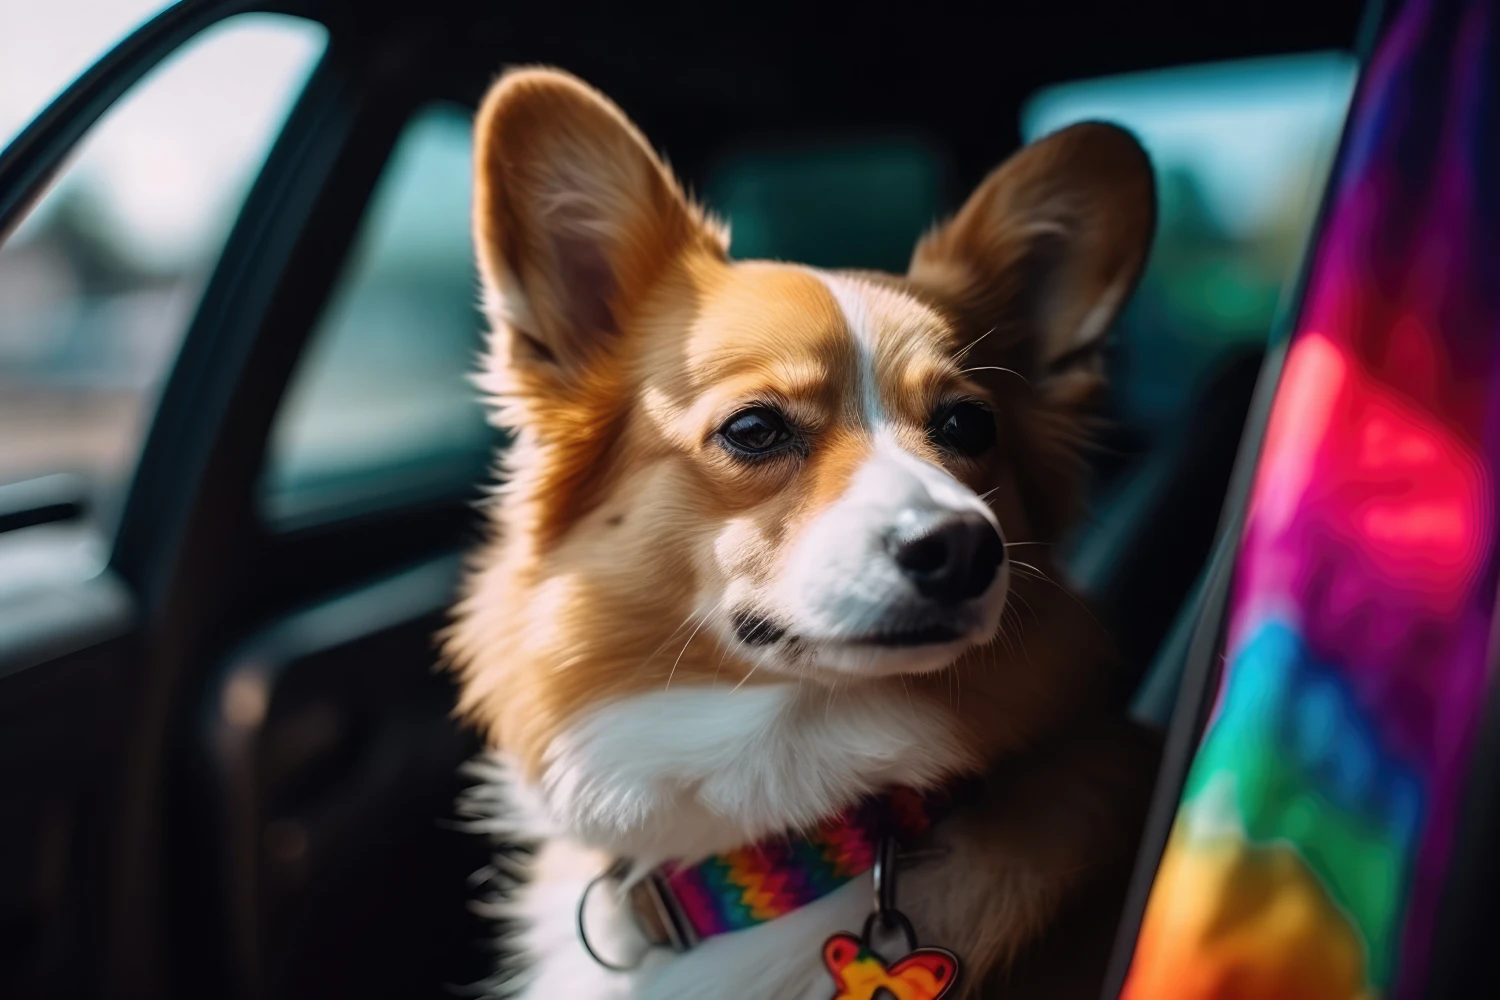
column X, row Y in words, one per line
column 755, row 432
column 966, row 427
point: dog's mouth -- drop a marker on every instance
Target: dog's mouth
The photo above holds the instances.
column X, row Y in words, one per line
column 755, row 629
column 908, row 641
column 924, row 635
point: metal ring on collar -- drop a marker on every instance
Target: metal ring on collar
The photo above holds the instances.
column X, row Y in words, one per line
column 615, row 871
column 884, row 875
column 891, row 916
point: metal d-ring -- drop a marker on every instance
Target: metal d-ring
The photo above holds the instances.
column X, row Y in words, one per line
column 884, row 874
column 614, row 871
column 891, row 916
column 885, row 913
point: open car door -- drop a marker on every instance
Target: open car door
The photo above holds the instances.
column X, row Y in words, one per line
column 218, row 713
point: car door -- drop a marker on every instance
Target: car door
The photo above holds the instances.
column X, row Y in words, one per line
column 73, row 619
column 226, row 754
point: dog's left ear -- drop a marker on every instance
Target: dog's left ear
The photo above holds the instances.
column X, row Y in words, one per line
column 1046, row 251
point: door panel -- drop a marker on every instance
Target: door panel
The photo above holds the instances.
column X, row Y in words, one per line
column 333, row 765
column 59, row 721
column 97, row 294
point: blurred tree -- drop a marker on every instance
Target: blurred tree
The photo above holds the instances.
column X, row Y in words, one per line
column 76, row 228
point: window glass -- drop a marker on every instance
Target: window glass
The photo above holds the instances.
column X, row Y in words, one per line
column 45, row 45
column 1241, row 151
column 813, row 203
column 100, row 281
column 382, row 407
column 382, row 411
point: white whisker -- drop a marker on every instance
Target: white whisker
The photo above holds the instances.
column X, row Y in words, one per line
column 1024, row 601
column 663, row 645
column 1042, row 576
column 996, row 368
column 703, row 621
column 965, row 352
column 754, row 667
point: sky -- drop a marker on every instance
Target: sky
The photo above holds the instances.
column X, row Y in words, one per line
column 168, row 165
column 44, row 44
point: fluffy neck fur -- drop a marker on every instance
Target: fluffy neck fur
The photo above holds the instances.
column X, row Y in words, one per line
column 693, row 766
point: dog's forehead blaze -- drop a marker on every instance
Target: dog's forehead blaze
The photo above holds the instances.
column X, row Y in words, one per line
column 842, row 351
column 794, row 333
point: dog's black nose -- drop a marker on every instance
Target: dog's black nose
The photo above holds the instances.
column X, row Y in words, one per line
column 955, row 560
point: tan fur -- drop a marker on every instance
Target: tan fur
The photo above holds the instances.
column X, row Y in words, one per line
column 619, row 513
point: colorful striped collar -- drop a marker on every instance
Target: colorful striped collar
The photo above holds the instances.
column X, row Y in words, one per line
column 678, row 906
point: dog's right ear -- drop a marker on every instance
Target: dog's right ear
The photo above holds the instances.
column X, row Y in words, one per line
column 574, row 219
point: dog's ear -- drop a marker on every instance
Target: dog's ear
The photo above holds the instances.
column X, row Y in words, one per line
column 574, row 219
column 1046, row 251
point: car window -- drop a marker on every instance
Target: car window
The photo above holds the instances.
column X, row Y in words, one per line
column 1241, row 151
column 381, row 408
column 44, row 46
column 100, row 280
column 811, row 203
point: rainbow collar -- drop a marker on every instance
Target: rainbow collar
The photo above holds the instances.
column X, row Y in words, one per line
column 678, row 906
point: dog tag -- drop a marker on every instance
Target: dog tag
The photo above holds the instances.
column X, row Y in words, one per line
column 860, row 974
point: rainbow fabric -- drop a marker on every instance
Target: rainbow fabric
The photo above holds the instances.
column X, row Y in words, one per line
column 751, row 885
column 1314, row 832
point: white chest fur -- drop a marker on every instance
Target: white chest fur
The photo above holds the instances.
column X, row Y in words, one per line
column 686, row 773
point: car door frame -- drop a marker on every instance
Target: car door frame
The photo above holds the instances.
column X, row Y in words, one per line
column 160, row 605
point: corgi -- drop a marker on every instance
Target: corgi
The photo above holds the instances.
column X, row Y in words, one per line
column 767, row 559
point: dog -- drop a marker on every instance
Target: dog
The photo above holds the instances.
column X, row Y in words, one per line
column 765, row 561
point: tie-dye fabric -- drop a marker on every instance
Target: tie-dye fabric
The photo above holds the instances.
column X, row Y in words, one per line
column 1315, row 830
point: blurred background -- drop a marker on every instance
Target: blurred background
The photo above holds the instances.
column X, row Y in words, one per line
column 99, row 283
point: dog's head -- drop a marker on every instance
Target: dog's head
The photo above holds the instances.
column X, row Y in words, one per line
column 748, row 472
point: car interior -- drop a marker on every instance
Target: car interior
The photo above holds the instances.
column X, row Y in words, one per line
column 229, row 758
